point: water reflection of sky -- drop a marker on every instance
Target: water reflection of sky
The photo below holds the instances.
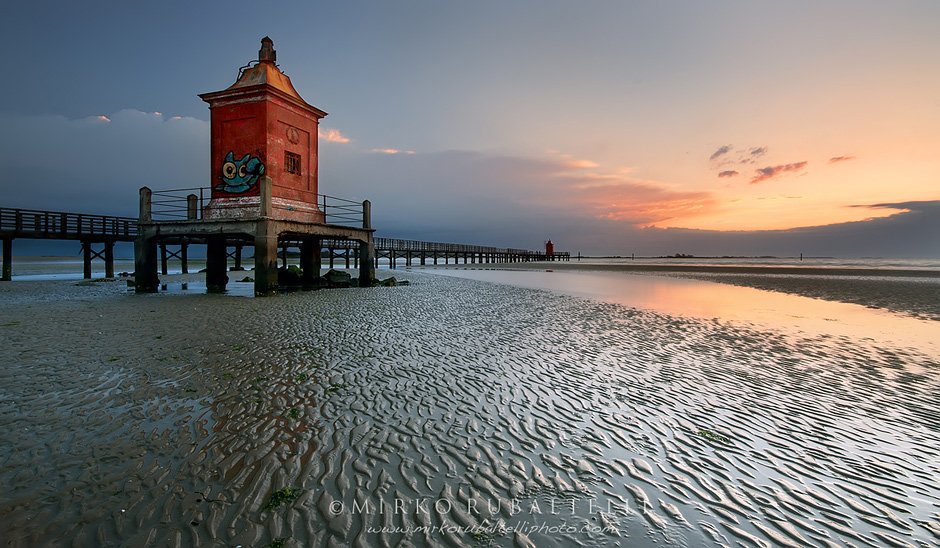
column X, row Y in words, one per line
column 711, row 300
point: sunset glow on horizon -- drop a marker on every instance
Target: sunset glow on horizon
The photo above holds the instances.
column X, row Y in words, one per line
column 596, row 124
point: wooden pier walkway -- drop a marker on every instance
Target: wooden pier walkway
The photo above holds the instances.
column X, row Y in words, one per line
column 102, row 231
column 91, row 230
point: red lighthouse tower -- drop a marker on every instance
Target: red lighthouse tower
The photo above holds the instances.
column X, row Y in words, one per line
column 261, row 127
column 264, row 189
column 549, row 251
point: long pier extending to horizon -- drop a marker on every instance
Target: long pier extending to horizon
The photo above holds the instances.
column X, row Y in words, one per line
column 103, row 231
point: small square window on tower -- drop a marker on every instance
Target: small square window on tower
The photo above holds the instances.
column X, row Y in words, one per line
column 292, row 162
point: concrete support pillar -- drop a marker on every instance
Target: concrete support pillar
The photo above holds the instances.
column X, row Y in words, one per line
column 7, row 274
column 347, row 257
column 109, row 259
column 356, row 258
column 216, row 264
column 265, row 259
column 423, row 258
column 332, row 253
column 192, row 207
column 145, row 263
column 435, row 259
column 238, row 256
column 86, row 259
column 310, row 261
column 163, row 259
column 146, row 206
column 266, row 205
column 184, row 256
column 366, row 270
column 284, row 255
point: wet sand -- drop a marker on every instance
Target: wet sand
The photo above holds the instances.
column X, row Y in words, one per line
column 909, row 291
column 193, row 419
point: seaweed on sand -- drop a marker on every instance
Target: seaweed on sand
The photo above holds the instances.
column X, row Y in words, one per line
column 280, row 497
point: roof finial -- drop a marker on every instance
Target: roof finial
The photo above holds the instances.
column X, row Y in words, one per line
column 267, row 53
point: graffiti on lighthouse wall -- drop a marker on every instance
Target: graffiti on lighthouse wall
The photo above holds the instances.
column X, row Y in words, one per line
column 240, row 176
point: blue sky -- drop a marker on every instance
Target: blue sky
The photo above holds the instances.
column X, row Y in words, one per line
column 596, row 124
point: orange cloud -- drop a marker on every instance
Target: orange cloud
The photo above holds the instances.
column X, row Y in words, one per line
column 568, row 161
column 581, row 164
column 102, row 118
column 391, row 151
column 332, row 135
column 770, row 172
column 616, row 197
column 643, row 204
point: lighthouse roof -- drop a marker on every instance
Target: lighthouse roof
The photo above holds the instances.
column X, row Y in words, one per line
column 265, row 74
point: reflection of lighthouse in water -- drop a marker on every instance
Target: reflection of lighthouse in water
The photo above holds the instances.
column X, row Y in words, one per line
column 549, row 251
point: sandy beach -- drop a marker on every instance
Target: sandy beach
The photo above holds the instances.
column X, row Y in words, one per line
column 449, row 412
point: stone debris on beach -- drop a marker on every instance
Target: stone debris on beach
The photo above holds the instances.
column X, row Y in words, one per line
column 210, row 420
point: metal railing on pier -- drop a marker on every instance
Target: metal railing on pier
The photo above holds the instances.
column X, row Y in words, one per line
column 339, row 211
column 60, row 225
column 189, row 204
column 178, row 204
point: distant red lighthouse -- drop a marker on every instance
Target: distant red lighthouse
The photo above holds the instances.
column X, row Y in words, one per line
column 549, row 250
column 261, row 127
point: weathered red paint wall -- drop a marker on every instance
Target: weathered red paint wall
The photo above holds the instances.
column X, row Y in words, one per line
column 267, row 126
column 285, row 122
column 240, row 128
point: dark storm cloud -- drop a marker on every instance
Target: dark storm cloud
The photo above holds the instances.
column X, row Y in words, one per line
column 97, row 164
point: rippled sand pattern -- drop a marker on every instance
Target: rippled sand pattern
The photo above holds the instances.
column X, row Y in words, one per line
column 208, row 420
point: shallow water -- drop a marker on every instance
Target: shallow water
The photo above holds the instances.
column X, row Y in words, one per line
column 172, row 419
column 780, row 262
column 693, row 298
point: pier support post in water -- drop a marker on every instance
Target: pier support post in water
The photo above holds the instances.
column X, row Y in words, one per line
column 86, row 259
column 184, row 256
column 7, row 260
column 163, row 259
column 145, row 264
column 238, row 256
column 216, row 264
column 366, row 264
column 109, row 259
column 366, row 249
column 145, row 248
column 265, row 259
column 310, row 261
